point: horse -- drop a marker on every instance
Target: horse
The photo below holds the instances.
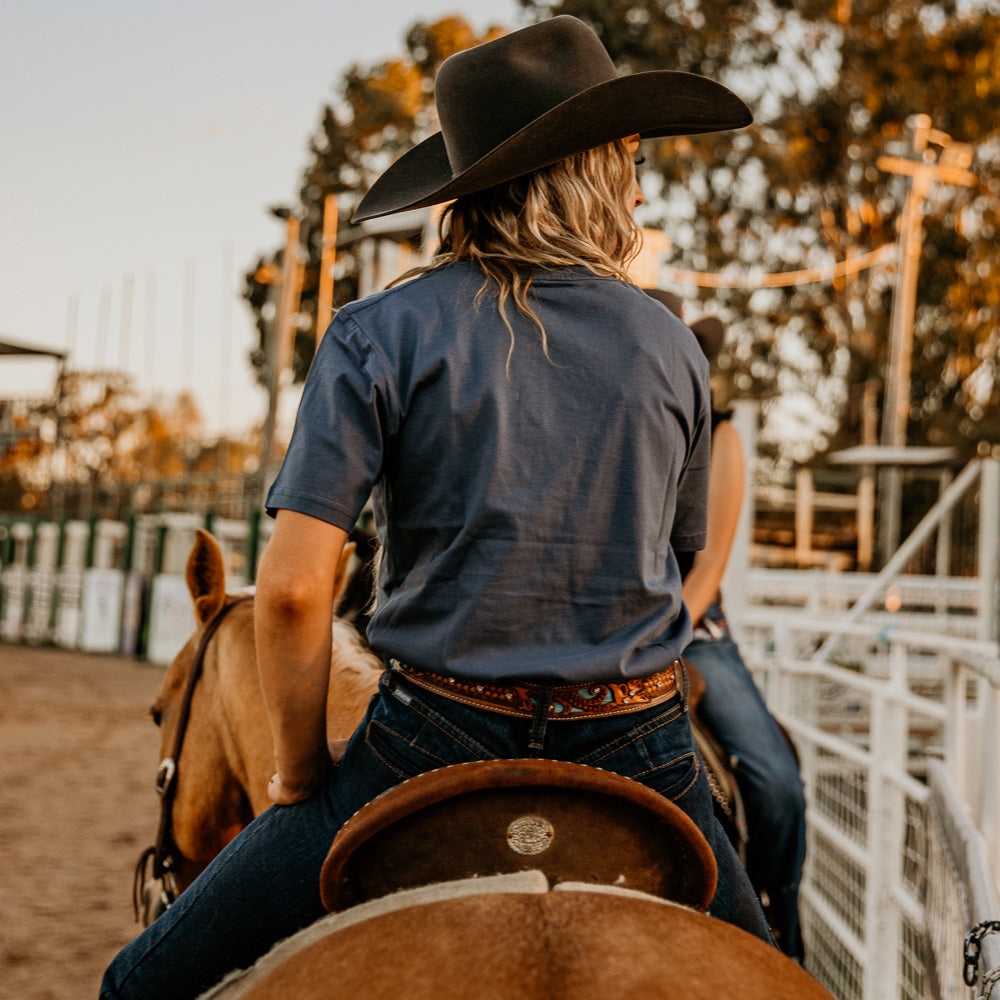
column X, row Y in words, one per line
column 225, row 736
column 534, row 904
column 508, row 944
column 215, row 738
column 527, row 943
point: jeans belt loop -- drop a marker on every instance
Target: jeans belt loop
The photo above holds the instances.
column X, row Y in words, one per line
column 540, row 720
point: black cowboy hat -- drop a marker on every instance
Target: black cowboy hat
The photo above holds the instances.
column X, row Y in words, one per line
column 525, row 100
column 709, row 331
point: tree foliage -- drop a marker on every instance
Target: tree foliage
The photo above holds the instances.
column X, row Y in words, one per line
column 382, row 111
column 96, row 428
column 833, row 85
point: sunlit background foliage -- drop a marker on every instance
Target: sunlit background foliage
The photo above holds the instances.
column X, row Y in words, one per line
column 832, row 85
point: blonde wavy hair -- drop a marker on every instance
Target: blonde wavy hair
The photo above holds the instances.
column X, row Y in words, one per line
column 577, row 211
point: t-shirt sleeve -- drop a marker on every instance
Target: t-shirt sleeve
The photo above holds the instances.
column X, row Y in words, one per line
column 344, row 420
column 690, row 528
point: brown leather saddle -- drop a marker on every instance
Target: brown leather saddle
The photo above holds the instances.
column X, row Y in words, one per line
column 572, row 822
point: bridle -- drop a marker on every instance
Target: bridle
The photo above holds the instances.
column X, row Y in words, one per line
column 163, row 850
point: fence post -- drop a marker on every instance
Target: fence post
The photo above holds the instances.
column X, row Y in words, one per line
column 132, row 598
column 805, row 501
column 886, row 829
column 42, row 584
column 990, row 825
column 989, row 543
column 15, row 583
column 69, row 585
column 954, row 729
column 103, row 595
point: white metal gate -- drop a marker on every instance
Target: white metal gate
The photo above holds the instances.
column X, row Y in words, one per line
column 898, row 731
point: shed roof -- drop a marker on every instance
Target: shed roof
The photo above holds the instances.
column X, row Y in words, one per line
column 10, row 348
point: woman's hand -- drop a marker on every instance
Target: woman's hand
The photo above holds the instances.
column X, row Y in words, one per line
column 287, row 793
column 282, row 796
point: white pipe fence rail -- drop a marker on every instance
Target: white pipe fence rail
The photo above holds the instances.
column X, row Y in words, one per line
column 896, row 718
column 889, row 685
column 868, row 738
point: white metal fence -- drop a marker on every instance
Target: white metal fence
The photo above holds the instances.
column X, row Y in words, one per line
column 107, row 586
column 896, row 718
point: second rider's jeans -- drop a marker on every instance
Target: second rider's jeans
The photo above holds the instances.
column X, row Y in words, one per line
column 768, row 777
column 264, row 885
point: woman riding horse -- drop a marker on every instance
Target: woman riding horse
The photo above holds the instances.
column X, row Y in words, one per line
column 536, row 433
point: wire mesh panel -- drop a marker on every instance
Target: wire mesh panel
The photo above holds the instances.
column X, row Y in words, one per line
column 893, row 700
column 874, row 903
column 947, row 918
column 838, row 881
column 915, row 850
column 829, row 959
column 912, row 963
column 840, row 794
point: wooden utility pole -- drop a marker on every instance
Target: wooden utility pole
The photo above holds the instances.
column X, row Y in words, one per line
column 280, row 351
column 866, row 485
column 937, row 158
column 328, row 257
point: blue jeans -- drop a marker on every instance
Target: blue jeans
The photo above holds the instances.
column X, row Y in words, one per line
column 768, row 777
column 264, row 885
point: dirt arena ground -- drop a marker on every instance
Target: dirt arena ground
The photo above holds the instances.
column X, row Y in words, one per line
column 78, row 754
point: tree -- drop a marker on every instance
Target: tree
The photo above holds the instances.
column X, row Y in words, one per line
column 96, row 429
column 832, row 86
column 383, row 110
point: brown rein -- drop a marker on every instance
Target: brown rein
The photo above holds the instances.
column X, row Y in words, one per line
column 162, row 850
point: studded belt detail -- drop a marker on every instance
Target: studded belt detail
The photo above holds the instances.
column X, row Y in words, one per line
column 567, row 701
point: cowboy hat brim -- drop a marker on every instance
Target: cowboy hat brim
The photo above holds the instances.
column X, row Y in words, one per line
column 654, row 104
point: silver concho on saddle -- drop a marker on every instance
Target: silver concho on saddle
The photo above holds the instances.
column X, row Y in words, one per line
column 572, row 822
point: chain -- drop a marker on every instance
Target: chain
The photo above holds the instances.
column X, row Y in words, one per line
column 973, row 948
column 986, row 984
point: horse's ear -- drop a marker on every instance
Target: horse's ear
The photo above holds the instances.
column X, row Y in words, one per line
column 341, row 576
column 206, row 576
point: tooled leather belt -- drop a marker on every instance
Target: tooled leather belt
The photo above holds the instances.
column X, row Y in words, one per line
column 566, row 701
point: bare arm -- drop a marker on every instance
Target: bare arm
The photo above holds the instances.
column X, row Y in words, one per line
column 725, row 495
column 293, row 613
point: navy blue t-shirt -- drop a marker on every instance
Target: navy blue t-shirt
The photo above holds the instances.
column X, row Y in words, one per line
column 529, row 510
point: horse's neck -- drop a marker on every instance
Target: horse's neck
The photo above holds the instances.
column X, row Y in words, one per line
column 244, row 729
column 243, row 725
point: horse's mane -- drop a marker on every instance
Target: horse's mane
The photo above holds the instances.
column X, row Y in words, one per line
column 354, row 674
column 350, row 653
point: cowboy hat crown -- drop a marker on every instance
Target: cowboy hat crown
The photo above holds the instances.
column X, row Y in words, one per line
column 523, row 101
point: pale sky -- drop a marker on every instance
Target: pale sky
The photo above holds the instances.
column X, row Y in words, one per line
column 141, row 143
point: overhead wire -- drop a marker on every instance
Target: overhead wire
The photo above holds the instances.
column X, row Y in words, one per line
column 781, row 279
